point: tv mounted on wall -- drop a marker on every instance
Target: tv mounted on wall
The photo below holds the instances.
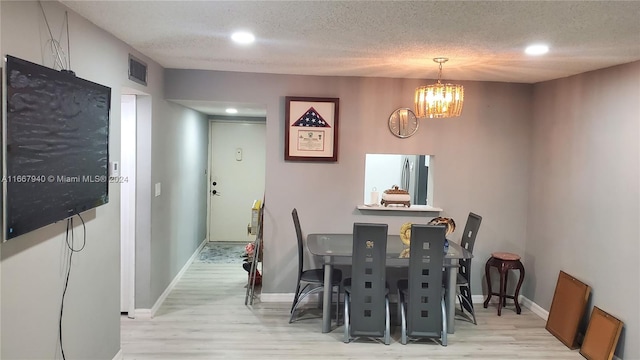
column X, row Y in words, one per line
column 56, row 146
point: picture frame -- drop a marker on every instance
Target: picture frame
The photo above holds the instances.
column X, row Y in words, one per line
column 602, row 336
column 311, row 129
column 567, row 308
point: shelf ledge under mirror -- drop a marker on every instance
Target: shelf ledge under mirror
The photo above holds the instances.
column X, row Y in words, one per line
column 413, row 208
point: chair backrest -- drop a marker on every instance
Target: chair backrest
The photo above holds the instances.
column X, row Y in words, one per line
column 470, row 231
column 368, row 275
column 296, row 223
column 468, row 241
column 424, row 311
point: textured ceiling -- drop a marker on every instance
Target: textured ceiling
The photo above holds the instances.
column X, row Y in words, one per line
column 484, row 40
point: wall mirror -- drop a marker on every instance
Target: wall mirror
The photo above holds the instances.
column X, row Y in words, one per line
column 413, row 173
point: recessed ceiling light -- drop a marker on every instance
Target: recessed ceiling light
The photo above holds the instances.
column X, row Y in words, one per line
column 536, row 49
column 243, row 37
column 231, row 111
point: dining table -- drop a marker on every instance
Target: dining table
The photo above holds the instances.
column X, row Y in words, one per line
column 336, row 249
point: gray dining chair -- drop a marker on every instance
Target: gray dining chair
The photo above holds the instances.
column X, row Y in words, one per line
column 366, row 300
column 463, row 281
column 421, row 296
column 313, row 279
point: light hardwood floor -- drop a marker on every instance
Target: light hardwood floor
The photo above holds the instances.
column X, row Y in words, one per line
column 204, row 317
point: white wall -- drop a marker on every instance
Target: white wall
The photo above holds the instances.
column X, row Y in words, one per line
column 585, row 193
column 32, row 265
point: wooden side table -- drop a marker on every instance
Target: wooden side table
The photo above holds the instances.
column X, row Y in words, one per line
column 504, row 262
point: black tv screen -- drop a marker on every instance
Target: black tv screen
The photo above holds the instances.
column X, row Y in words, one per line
column 56, row 146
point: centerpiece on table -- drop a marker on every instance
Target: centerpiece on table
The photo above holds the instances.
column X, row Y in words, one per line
column 405, row 232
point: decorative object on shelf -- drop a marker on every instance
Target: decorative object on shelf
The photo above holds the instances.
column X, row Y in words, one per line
column 439, row 100
column 375, row 196
column 451, row 225
column 396, row 196
column 403, row 123
column 311, row 129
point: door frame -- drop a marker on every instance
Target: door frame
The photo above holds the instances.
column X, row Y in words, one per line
column 128, row 144
column 209, row 180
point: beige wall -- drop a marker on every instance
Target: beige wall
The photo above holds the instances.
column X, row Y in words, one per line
column 584, row 194
column 514, row 157
column 481, row 157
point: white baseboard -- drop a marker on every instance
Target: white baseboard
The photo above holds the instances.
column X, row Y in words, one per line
column 535, row 308
column 276, row 297
column 143, row 314
column 119, row 355
column 150, row 313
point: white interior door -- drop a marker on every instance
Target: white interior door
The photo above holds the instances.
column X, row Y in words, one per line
column 237, row 175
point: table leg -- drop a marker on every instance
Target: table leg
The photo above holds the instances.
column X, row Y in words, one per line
column 451, row 297
column 326, row 297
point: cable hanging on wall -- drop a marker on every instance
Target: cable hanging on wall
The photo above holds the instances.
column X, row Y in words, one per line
column 71, row 248
column 61, row 59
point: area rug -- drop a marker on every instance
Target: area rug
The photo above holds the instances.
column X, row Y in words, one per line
column 222, row 253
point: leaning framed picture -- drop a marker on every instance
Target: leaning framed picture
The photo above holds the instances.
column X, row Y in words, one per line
column 311, row 129
column 602, row 336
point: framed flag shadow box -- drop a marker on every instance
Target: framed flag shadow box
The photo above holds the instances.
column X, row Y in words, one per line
column 311, row 129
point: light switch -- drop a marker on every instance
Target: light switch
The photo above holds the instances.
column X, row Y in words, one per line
column 239, row 154
column 114, row 169
column 158, row 189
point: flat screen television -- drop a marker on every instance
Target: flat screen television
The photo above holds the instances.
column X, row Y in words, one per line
column 56, row 146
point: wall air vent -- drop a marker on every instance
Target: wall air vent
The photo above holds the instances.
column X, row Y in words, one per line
column 137, row 70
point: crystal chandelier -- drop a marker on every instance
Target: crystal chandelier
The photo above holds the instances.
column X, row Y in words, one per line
column 439, row 100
